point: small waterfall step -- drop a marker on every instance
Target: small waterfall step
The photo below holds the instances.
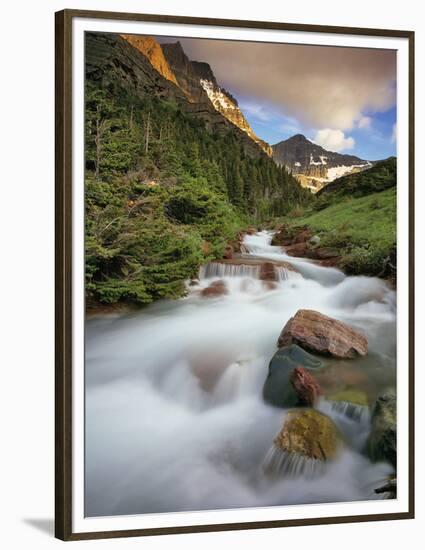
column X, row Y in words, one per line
column 279, row 463
column 255, row 269
column 357, row 413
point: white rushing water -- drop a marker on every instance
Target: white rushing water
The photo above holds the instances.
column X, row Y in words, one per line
column 175, row 418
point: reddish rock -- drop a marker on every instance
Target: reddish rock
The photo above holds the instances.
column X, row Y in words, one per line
column 302, row 237
column 298, row 249
column 316, row 332
column 324, row 253
column 282, row 238
column 305, row 386
column 217, row 288
column 268, row 272
column 228, row 252
column 331, row 262
column 251, row 231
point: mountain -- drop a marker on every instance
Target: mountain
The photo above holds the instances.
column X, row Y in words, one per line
column 312, row 165
column 150, row 48
column 382, row 176
column 197, row 79
column 177, row 123
column 169, row 181
column 185, row 70
column 117, row 62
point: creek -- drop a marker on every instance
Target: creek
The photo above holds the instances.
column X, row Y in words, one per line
column 175, row 419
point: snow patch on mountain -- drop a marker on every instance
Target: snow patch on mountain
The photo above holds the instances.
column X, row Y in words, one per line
column 339, row 171
column 216, row 96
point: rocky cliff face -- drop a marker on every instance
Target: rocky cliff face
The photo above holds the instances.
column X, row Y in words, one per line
column 153, row 51
column 199, row 83
column 312, row 165
column 228, row 107
column 118, row 63
column 185, row 71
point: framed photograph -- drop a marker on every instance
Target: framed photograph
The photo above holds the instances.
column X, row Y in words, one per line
column 234, row 274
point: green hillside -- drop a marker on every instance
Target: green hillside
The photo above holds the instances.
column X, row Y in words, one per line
column 165, row 194
column 356, row 214
column 381, row 176
column 363, row 229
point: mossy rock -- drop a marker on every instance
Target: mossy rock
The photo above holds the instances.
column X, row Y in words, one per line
column 382, row 441
column 278, row 390
column 353, row 396
column 310, row 434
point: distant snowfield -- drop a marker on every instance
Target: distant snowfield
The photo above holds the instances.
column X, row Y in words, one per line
column 310, row 182
column 339, row 171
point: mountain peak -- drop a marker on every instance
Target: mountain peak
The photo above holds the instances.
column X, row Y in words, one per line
column 312, row 165
column 198, row 82
column 299, row 138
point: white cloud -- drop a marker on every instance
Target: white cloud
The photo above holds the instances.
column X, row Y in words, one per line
column 364, row 122
column 334, row 140
column 320, row 86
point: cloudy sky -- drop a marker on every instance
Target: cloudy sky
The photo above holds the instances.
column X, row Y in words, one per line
column 341, row 98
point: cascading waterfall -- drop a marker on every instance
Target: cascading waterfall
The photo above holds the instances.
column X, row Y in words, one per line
column 358, row 413
column 222, row 270
column 278, row 463
column 175, row 418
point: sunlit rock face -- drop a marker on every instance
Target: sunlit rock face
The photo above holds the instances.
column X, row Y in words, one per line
column 141, row 66
column 200, row 85
column 149, row 47
column 227, row 105
column 313, row 166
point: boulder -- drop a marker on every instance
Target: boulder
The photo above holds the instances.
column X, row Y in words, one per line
column 268, row 272
column 314, row 240
column 321, row 334
column 331, row 262
column 302, row 237
column 282, row 237
column 217, row 288
column 277, row 389
column 305, row 386
column 310, row 434
column 382, row 441
column 298, row 249
column 323, row 253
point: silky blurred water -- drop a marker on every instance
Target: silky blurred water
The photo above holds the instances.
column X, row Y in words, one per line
column 175, row 419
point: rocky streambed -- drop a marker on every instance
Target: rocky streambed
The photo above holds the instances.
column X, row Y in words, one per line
column 271, row 383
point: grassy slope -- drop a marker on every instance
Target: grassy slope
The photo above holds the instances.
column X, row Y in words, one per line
column 363, row 229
